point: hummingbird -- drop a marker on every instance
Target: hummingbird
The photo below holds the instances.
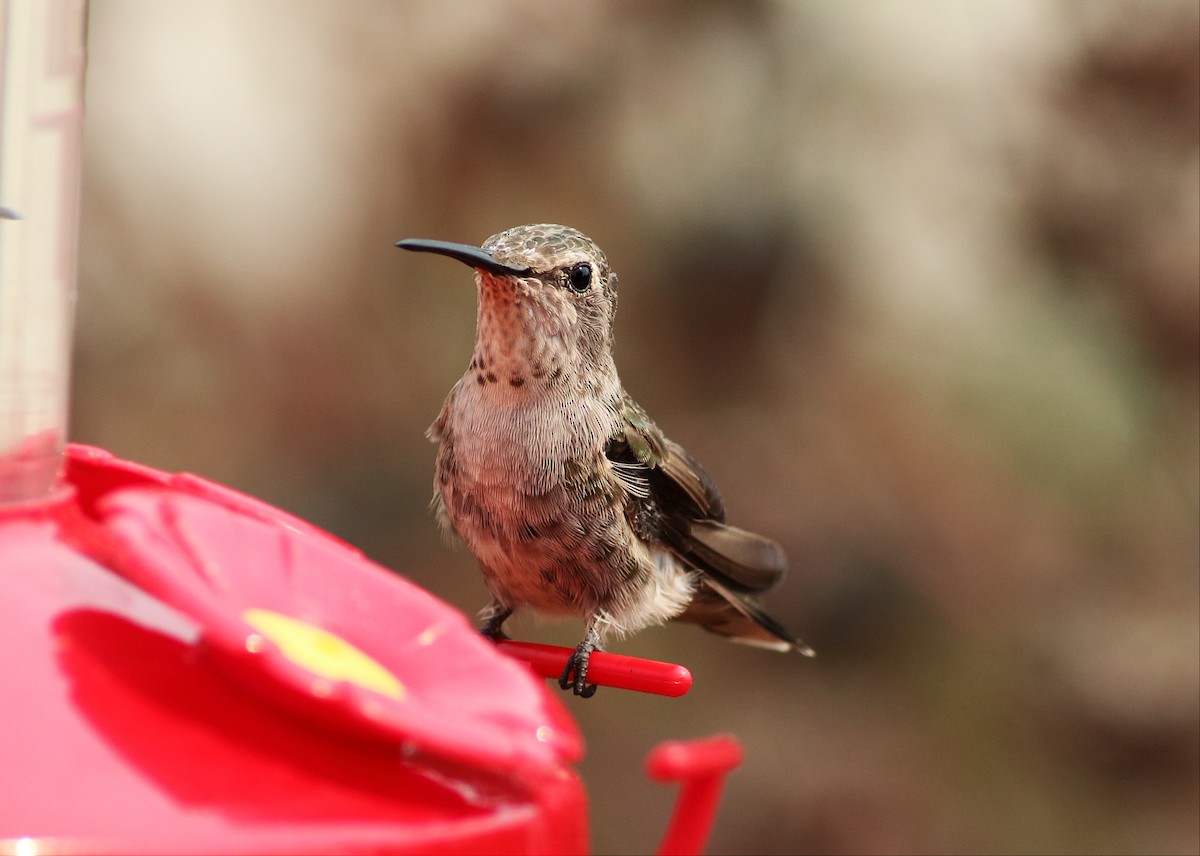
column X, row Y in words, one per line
column 571, row 499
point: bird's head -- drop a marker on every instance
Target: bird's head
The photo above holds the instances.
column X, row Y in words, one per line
column 546, row 303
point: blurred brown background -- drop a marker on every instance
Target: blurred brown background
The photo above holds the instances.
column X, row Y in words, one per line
column 919, row 283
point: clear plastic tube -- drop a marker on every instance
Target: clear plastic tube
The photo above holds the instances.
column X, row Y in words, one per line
column 41, row 118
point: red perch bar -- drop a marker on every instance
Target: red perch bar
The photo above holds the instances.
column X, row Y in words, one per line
column 606, row 670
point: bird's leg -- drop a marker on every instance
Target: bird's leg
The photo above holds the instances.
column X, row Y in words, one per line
column 494, row 615
column 574, row 676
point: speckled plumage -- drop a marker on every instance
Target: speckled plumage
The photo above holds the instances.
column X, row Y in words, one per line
column 562, row 487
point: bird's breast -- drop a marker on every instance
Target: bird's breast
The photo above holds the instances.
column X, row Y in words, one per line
column 532, row 494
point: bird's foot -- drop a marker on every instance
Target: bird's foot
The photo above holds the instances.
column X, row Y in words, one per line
column 495, row 618
column 494, row 634
column 574, row 676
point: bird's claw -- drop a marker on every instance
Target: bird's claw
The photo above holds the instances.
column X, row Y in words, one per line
column 495, row 617
column 574, row 676
column 494, row 634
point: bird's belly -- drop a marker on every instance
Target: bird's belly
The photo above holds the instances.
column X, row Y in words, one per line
column 552, row 551
column 571, row 563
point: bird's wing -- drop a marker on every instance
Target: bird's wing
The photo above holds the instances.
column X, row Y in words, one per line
column 678, row 505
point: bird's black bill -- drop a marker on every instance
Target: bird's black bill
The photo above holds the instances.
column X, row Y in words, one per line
column 465, row 253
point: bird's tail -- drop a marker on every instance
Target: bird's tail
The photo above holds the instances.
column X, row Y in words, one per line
column 740, row 618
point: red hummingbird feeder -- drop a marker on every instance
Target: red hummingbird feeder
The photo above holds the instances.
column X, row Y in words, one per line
column 192, row 670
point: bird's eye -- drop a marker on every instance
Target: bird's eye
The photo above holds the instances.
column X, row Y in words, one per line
column 579, row 277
